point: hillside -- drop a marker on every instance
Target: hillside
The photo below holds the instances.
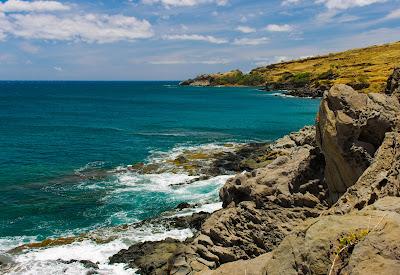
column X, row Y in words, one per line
column 363, row 69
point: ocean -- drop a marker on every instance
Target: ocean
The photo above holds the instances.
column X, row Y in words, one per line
column 65, row 148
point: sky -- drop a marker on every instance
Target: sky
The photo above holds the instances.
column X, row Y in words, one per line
column 179, row 39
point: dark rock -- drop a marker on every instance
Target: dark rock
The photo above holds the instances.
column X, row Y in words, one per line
column 358, row 85
column 183, row 205
column 249, row 157
column 85, row 263
column 194, row 221
column 308, row 91
column 152, row 258
column 393, row 84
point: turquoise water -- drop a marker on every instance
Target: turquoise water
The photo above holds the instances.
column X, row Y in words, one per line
column 51, row 132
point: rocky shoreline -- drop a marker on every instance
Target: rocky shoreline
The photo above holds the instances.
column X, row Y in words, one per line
column 309, row 91
column 326, row 202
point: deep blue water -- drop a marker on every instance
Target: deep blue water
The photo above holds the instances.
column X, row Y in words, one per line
column 49, row 130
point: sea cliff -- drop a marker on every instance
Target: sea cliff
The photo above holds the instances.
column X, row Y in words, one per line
column 326, row 203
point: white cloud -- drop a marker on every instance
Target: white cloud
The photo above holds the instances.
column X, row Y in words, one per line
column 346, row 4
column 393, row 15
column 58, row 69
column 35, row 6
column 195, row 37
column 97, row 28
column 251, row 41
column 279, row 28
column 245, row 29
column 185, row 3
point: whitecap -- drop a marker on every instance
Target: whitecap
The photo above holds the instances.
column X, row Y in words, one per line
column 50, row 260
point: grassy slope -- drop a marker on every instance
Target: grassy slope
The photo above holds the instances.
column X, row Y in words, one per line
column 370, row 65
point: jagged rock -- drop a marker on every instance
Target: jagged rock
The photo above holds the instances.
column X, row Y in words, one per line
column 372, row 246
column 85, row 263
column 351, row 127
column 201, row 80
column 261, row 207
column 381, row 179
column 281, row 177
column 393, row 84
column 183, row 205
column 151, row 257
column 194, row 221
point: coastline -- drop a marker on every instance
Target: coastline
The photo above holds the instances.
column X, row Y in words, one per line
column 269, row 212
column 288, row 191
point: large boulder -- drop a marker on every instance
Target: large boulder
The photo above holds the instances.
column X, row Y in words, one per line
column 350, row 129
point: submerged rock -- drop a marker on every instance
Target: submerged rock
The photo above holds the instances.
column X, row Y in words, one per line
column 85, row 263
column 183, row 205
column 208, row 162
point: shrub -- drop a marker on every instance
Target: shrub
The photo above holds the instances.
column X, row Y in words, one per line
column 252, row 80
column 328, row 75
column 301, row 79
column 286, row 76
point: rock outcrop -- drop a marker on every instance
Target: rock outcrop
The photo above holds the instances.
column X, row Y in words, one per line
column 381, row 179
column 362, row 242
column 201, row 80
column 393, row 84
column 151, row 257
column 326, row 201
column 261, row 207
column 351, row 127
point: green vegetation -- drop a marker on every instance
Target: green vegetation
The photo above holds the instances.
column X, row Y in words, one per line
column 238, row 78
column 346, row 246
column 301, row 79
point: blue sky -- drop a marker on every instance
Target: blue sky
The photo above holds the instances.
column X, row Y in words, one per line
column 177, row 39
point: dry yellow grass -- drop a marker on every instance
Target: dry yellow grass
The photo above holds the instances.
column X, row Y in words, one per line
column 372, row 65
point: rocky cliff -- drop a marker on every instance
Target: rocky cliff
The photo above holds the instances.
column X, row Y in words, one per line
column 327, row 204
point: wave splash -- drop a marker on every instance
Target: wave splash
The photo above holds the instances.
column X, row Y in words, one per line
column 23, row 256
